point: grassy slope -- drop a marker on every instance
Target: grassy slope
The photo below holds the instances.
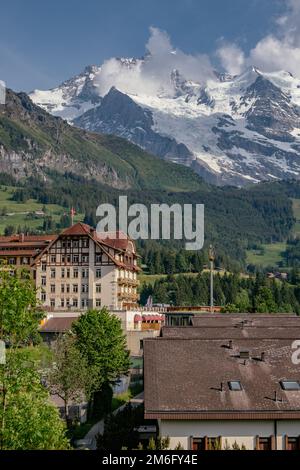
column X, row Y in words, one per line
column 271, row 254
column 16, row 211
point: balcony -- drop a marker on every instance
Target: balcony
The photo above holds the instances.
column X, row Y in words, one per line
column 129, row 282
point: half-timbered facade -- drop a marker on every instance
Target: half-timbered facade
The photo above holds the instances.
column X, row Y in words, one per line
column 79, row 268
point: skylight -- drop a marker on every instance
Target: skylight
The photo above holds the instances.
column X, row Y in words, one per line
column 235, row 385
column 290, row 385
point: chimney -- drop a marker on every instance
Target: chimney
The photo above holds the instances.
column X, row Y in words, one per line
column 221, row 387
column 230, row 344
column 275, row 395
column 262, row 357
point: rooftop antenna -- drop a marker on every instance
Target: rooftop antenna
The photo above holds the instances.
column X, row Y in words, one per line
column 211, row 256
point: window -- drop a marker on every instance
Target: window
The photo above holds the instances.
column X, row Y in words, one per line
column 43, row 296
column 264, row 443
column 75, row 243
column 84, row 288
column 62, row 302
column 68, row 272
column 206, row 443
column 62, row 272
column 75, row 259
column 98, row 273
column 75, row 272
column 68, row 302
column 98, row 288
column 98, row 258
column 43, row 279
column 290, row 385
column 68, row 258
column 98, row 302
column 52, row 303
column 75, row 303
column 198, row 443
column 62, row 288
column 52, row 273
column 292, row 443
column 85, row 242
column 85, row 273
column 53, row 258
column 68, row 288
column 44, row 266
column 84, row 303
column 235, row 385
column 85, row 258
column 141, row 344
column 52, row 288
column 75, row 288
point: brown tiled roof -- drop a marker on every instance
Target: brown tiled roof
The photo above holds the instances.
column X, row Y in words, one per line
column 231, row 332
column 57, row 325
column 183, row 379
column 246, row 319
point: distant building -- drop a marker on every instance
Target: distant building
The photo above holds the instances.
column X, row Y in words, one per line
column 225, row 380
column 77, row 269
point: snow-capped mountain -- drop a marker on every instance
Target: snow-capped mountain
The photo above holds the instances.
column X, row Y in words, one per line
column 230, row 130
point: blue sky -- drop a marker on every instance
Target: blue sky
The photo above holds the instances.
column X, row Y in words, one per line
column 45, row 42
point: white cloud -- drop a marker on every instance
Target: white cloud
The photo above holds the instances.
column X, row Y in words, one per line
column 231, row 57
column 152, row 75
column 271, row 54
column 277, row 51
column 281, row 51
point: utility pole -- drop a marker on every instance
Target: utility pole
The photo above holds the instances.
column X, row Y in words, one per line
column 72, row 213
column 211, row 256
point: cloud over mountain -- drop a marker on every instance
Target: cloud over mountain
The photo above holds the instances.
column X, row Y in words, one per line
column 152, row 75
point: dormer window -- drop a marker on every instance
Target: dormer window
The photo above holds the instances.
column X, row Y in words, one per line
column 290, row 385
column 235, row 385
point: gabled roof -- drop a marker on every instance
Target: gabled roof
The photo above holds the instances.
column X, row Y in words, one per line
column 78, row 229
column 184, row 369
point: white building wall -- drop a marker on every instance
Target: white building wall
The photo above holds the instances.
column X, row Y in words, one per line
column 242, row 432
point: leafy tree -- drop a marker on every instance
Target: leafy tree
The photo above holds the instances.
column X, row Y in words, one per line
column 9, row 230
column 19, row 312
column 69, row 377
column 101, row 341
column 27, row 419
column 264, row 302
column 120, row 429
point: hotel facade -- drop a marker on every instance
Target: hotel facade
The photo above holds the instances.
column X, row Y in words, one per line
column 77, row 269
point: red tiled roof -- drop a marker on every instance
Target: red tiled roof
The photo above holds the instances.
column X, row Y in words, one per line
column 57, row 324
column 78, row 229
column 26, row 238
column 9, row 253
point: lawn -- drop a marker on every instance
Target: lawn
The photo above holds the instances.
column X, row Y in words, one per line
column 268, row 255
column 23, row 213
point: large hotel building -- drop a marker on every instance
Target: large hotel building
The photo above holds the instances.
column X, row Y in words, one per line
column 78, row 268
